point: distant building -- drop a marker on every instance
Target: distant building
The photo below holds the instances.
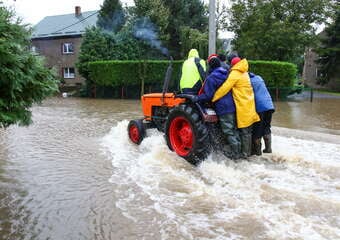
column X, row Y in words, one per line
column 311, row 70
column 58, row 38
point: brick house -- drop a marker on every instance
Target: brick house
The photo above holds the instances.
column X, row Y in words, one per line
column 58, row 38
column 311, row 70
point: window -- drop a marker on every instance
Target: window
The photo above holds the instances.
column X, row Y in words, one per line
column 69, row 73
column 318, row 73
column 68, row 48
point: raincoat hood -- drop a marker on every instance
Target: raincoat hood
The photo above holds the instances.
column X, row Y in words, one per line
column 241, row 66
column 193, row 53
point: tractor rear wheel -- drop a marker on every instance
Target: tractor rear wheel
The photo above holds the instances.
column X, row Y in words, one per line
column 186, row 134
column 136, row 131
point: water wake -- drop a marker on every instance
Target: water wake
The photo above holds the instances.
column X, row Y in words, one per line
column 290, row 194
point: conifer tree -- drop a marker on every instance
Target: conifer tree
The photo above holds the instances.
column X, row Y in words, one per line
column 111, row 16
column 23, row 78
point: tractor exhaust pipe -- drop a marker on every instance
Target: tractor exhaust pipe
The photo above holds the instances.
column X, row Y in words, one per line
column 167, row 79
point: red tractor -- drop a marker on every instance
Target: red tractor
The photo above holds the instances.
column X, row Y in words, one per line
column 191, row 130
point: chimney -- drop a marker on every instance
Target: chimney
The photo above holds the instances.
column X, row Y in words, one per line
column 77, row 11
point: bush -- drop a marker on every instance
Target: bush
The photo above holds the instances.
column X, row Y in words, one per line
column 151, row 73
column 128, row 73
column 276, row 74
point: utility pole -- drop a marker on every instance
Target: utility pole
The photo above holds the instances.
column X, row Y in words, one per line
column 212, row 27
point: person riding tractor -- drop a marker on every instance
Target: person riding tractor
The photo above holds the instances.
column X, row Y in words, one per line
column 193, row 73
column 238, row 82
column 224, row 107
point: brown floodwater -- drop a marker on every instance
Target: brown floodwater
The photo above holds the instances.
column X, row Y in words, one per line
column 73, row 174
column 321, row 115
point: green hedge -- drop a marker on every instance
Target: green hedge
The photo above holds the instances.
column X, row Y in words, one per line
column 276, row 74
column 125, row 73
column 150, row 74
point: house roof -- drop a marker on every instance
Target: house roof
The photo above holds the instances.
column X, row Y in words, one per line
column 64, row 25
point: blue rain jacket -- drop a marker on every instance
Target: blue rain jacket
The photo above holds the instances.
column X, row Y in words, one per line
column 215, row 79
column 263, row 100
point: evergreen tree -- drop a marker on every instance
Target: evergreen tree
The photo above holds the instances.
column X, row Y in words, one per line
column 94, row 47
column 23, row 78
column 111, row 16
column 193, row 38
column 156, row 12
column 329, row 52
column 183, row 14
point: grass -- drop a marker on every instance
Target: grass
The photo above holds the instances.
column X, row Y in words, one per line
column 328, row 92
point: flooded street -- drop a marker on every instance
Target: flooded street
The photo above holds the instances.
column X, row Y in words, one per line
column 74, row 174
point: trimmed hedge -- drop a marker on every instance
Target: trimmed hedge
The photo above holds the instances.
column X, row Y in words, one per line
column 151, row 73
column 276, row 74
column 126, row 73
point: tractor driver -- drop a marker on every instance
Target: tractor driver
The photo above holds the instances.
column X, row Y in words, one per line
column 193, row 73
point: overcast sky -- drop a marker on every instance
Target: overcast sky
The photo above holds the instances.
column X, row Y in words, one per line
column 32, row 11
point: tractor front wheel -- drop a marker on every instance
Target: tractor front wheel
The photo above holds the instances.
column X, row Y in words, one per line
column 136, row 131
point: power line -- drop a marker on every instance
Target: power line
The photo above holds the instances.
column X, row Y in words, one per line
column 75, row 23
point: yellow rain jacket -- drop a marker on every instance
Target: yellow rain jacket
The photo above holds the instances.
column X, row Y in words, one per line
column 190, row 74
column 239, row 82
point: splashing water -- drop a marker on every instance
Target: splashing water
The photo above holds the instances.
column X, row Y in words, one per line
column 291, row 194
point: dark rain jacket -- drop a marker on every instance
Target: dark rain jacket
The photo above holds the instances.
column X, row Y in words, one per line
column 212, row 83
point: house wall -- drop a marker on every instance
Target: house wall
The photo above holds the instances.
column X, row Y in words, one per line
column 51, row 49
column 310, row 73
column 310, row 68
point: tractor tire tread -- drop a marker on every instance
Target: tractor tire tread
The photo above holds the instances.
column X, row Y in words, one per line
column 201, row 147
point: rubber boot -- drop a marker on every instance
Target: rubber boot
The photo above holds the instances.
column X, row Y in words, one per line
column 267, row 143
column 226, row 150
column 235, row 147
column 256, row 147
column 245, row 145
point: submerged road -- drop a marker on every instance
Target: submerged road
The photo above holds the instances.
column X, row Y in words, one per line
column 74, row 174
